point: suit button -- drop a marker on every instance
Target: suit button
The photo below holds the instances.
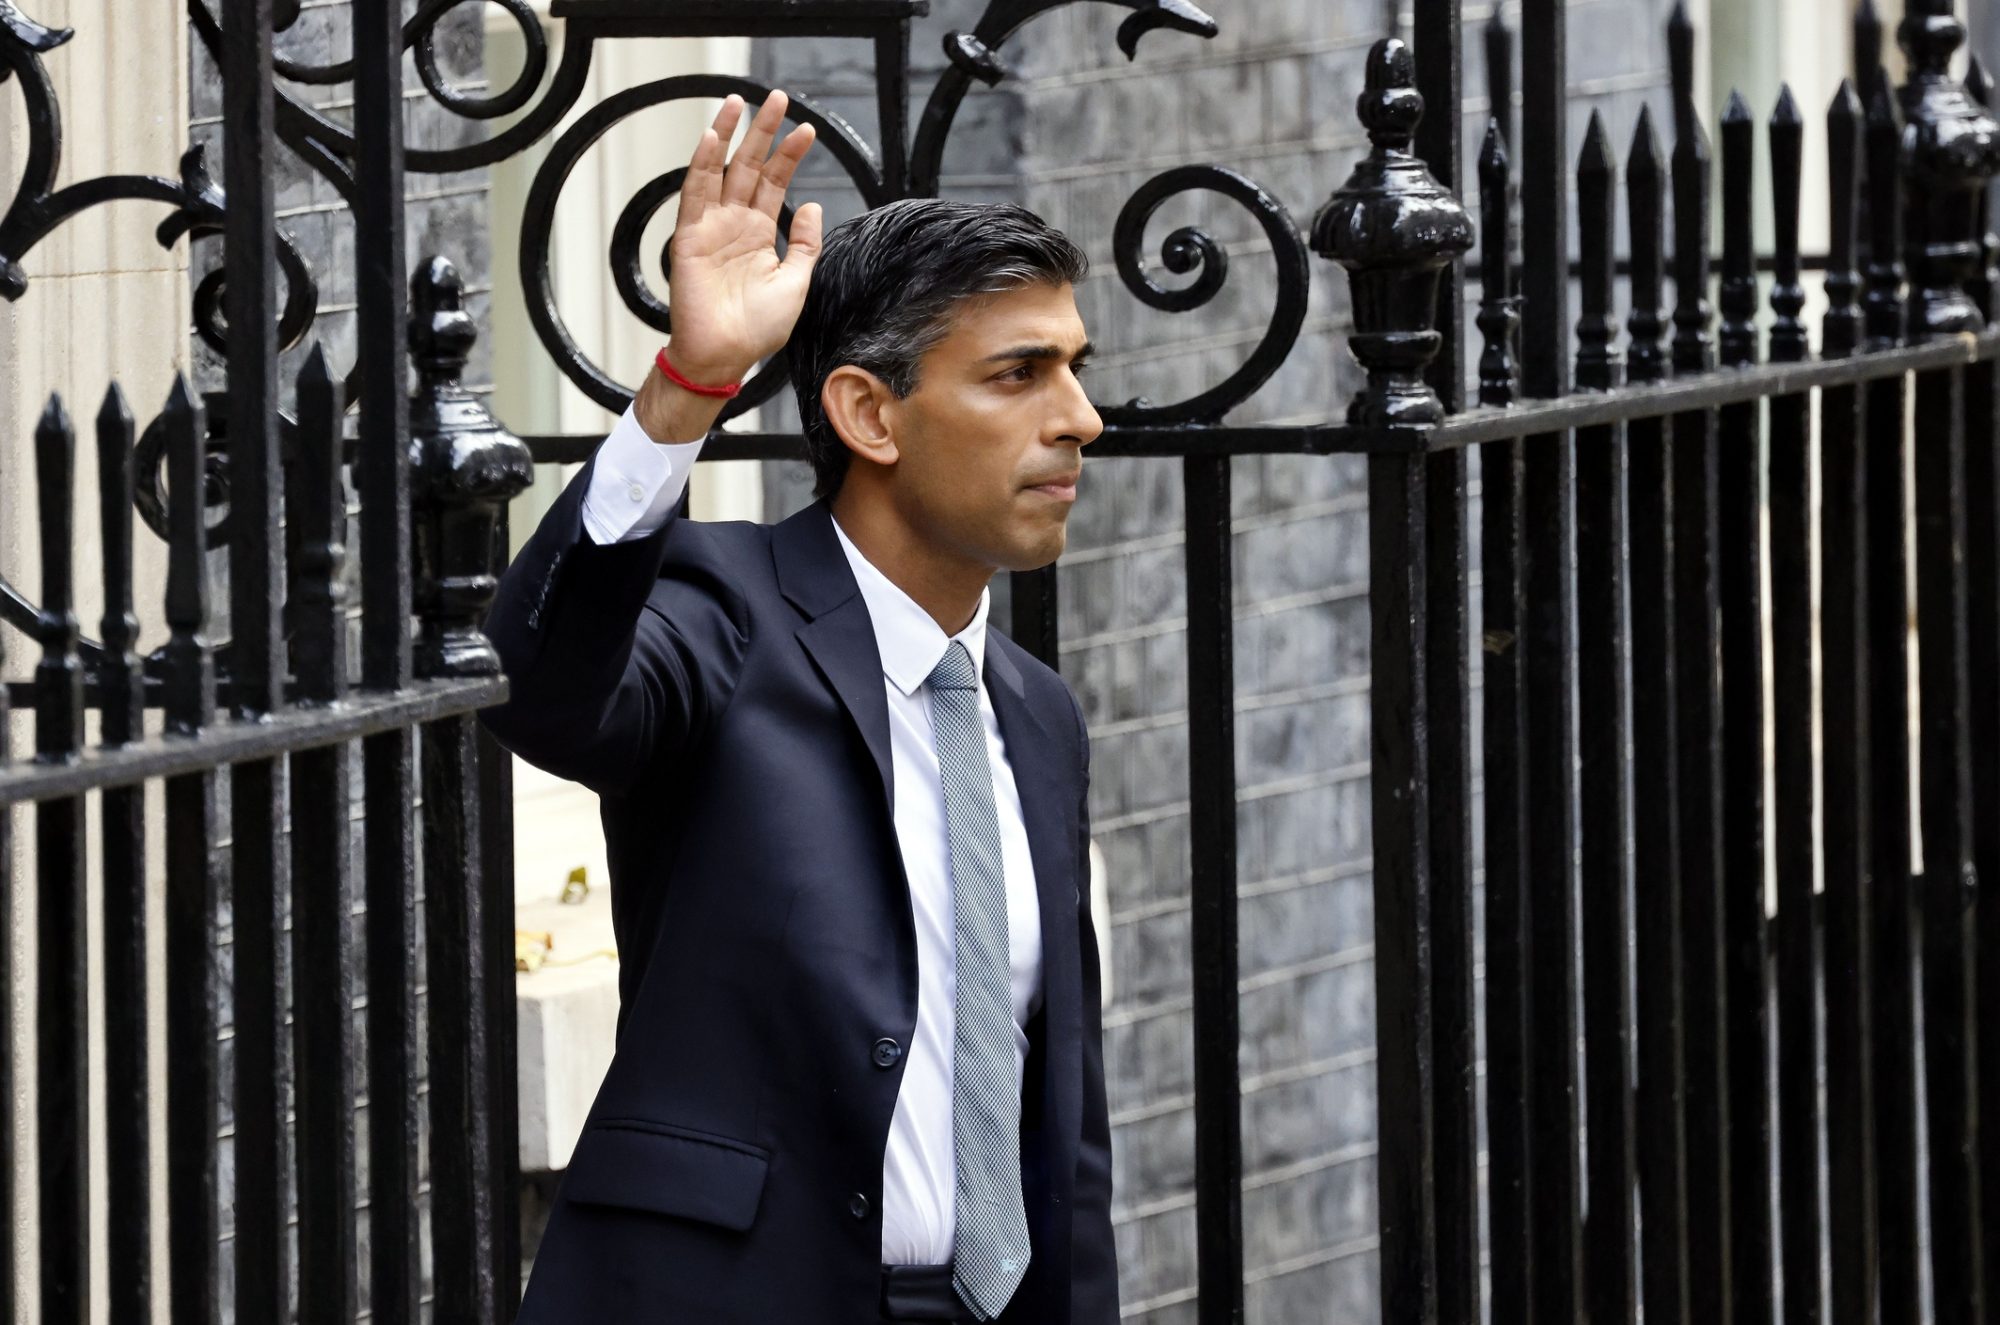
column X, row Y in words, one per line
column 887, row 1052
column 857, row 1205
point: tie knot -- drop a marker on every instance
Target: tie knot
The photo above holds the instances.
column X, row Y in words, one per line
column 954, row 670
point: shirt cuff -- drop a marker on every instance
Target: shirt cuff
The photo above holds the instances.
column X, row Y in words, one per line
column 635, row 482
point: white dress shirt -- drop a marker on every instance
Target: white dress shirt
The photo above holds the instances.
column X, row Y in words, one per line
column 633, row 487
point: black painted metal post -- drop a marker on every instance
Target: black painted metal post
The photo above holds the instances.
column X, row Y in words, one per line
column 62, row 953
column 197, row 880
column 1884, row 446
column 465, row 467
column 1982, row 574
column 1698, row 710
column 1212, row 845
column 1949, row 150
column 1447, row 672
column 1656, row 881
column 256, row 668
column 381, row 479
column 127, row 998
column 1505, row 747
column 1394, row 227
column 1739, row 575
column 1549, row 661
column 322, row 866
column 1794, row 774
column 1603, row 663
column 1844, row 688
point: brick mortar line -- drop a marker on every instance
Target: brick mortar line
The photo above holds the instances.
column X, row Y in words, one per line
column 1284, row 1076
column 1271, row 887
column 1270, row 1177
column 1243, row 612
column 1353, row 772
column 1344, row 505
column 1343, row 688
column 1361, row 952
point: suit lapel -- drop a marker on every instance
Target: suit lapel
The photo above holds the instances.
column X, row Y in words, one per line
column 813, row 573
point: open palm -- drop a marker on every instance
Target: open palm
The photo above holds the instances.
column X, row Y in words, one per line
column 734, row 300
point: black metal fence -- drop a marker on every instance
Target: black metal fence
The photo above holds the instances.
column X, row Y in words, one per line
column 1643, row 514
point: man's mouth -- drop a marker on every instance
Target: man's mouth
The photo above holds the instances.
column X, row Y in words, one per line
column 1062, row 488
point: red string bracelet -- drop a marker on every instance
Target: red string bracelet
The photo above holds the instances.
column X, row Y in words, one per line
column 720, row 392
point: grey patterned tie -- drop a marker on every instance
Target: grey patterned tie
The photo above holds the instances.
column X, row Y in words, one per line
column 992, row 1248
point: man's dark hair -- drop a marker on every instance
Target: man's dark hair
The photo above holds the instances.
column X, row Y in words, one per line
column 884, row 288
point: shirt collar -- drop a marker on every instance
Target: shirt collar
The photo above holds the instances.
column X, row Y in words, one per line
column 909, row 639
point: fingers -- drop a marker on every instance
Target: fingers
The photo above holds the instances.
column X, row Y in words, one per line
column 739, row 181
column 777, row 174
column 701, row 188
column 802, row 245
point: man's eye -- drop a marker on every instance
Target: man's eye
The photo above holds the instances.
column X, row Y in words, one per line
column 1079, row 366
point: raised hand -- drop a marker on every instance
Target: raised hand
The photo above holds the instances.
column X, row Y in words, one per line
column 734, row 301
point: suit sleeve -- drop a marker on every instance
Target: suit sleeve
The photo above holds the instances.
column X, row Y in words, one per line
column 616, row 655
column 1094, row 1252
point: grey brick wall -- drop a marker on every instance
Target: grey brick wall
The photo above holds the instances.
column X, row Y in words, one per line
column 1073, row 136
column 445, row 214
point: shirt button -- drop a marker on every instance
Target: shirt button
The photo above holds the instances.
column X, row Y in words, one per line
column 887, row 1052
column 857, row 1205
column 636, row 492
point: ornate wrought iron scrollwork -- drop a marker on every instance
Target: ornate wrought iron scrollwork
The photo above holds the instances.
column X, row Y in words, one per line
column 1191, row 249
column 975, row 56
column 538, row 222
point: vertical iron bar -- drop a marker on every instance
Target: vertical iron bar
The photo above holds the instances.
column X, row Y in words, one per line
column 62, row 951
column 454, row 934
column 1035, row 623
column 197, row 882
column 1656, row 884
column 323, row 886
column 1982, row 577
column 1550, row 669
column 1845, row 773
column 1399, row 699
column 1698, row 709
column 1949, row 885
column 1448, row 709
column 1508, row 943
column 1611, row 1269
column 257, row 666
column 1499, row 317
column 1436, row 36
column 128, row 1158
column 1739, row 574
column 1884, row 441
column 1212, row 832
column 381, row 477
column 1942, row 243
column 1793, row 770
column 892, row 105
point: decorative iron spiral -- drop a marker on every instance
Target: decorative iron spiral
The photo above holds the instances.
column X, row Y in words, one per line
column 538, row 220
column 1191, row 249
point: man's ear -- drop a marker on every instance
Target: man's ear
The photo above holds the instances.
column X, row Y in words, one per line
column 860, row 406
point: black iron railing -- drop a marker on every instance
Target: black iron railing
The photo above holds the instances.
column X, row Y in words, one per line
column 1644, row 511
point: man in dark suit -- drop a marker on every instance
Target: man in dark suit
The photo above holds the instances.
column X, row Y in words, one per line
column 859, row 1073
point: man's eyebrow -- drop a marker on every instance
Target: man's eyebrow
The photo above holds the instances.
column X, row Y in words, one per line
column 1039, row 352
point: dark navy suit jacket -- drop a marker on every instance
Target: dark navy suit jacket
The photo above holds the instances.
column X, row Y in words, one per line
column 719, row 686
